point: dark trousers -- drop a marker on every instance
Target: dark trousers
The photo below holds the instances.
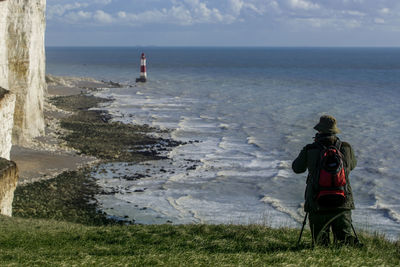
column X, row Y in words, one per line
column 338, row 220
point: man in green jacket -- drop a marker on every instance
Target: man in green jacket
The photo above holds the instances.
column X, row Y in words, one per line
column 323, row 218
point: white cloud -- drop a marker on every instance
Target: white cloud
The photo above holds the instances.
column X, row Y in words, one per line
column 175, row 15
column 103, row 2
column 188, row 12
column 338, row 14
column 60, row 10
column 337, row 24
column 74, row 17
column 237, row 6
column 354, row 13
column 303, row 4
column 384, row 10
column 121, row 14
column 201, row 13
column 352, row 23
column 102, row 17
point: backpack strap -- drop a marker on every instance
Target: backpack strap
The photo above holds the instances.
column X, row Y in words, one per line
column 319, row 145
column 338, row 144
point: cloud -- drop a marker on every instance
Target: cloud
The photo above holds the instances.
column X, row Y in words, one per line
column 175, row 15
column 332, row 23
column 303, row 4
column 187, row 12
column 353, row 13
column 237, row 6
column 75, row 17
column 384, row 10
column 103, row 2
column 60, row 10
column 102, row 17
column 338, row 14
column 201, row 13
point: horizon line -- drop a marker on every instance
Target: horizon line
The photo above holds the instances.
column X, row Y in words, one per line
column 208, row 46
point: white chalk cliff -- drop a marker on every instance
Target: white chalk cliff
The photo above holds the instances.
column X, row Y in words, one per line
column 8, row 183
column 22, row 63
column 3, row 46
column 22, row 75
column 7, row 105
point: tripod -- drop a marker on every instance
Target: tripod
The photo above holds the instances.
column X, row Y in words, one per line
column 326, row 225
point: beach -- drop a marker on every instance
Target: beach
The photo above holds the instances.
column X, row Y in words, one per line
column 48, row 156
column 55, row 170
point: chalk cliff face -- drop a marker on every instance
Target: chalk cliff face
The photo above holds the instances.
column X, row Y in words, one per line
column 22, row 73
column 8, row 183
column 22, row 63
column 7, row 104
column 3, row 48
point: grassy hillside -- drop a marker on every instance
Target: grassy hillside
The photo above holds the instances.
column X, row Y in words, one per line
column 31, row 242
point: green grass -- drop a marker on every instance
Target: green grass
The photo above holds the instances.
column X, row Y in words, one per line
column 31, row 242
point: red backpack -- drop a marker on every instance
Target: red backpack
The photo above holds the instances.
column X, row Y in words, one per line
column 331, row 177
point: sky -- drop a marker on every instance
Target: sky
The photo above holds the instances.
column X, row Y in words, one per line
column 235, row 23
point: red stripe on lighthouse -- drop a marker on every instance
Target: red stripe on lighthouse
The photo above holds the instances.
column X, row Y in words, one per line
column 143, row 73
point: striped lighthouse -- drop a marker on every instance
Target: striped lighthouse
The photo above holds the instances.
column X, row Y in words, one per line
column 143, row 73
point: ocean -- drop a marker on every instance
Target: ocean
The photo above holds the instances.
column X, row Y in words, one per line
column 245, row 114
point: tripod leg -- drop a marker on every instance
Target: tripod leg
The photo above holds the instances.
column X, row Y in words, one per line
column 302, row 228
column 355, row 234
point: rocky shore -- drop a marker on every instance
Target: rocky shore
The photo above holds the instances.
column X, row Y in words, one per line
column 55, row 171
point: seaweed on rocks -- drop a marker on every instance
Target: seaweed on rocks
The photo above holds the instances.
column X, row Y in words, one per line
column 77, row 102
column 68, row 197
column 92, row 133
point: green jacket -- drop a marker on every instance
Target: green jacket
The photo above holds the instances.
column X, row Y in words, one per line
column 308, row 160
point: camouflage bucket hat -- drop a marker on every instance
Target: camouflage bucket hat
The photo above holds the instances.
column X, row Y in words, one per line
column 327, row 124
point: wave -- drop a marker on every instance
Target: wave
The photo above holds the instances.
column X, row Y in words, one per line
column 251, row 140
column 224, row 126
column 388, row 209
column 280, row 206
column 197, row 125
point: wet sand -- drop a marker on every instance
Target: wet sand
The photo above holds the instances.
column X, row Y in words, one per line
column 48, row 156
